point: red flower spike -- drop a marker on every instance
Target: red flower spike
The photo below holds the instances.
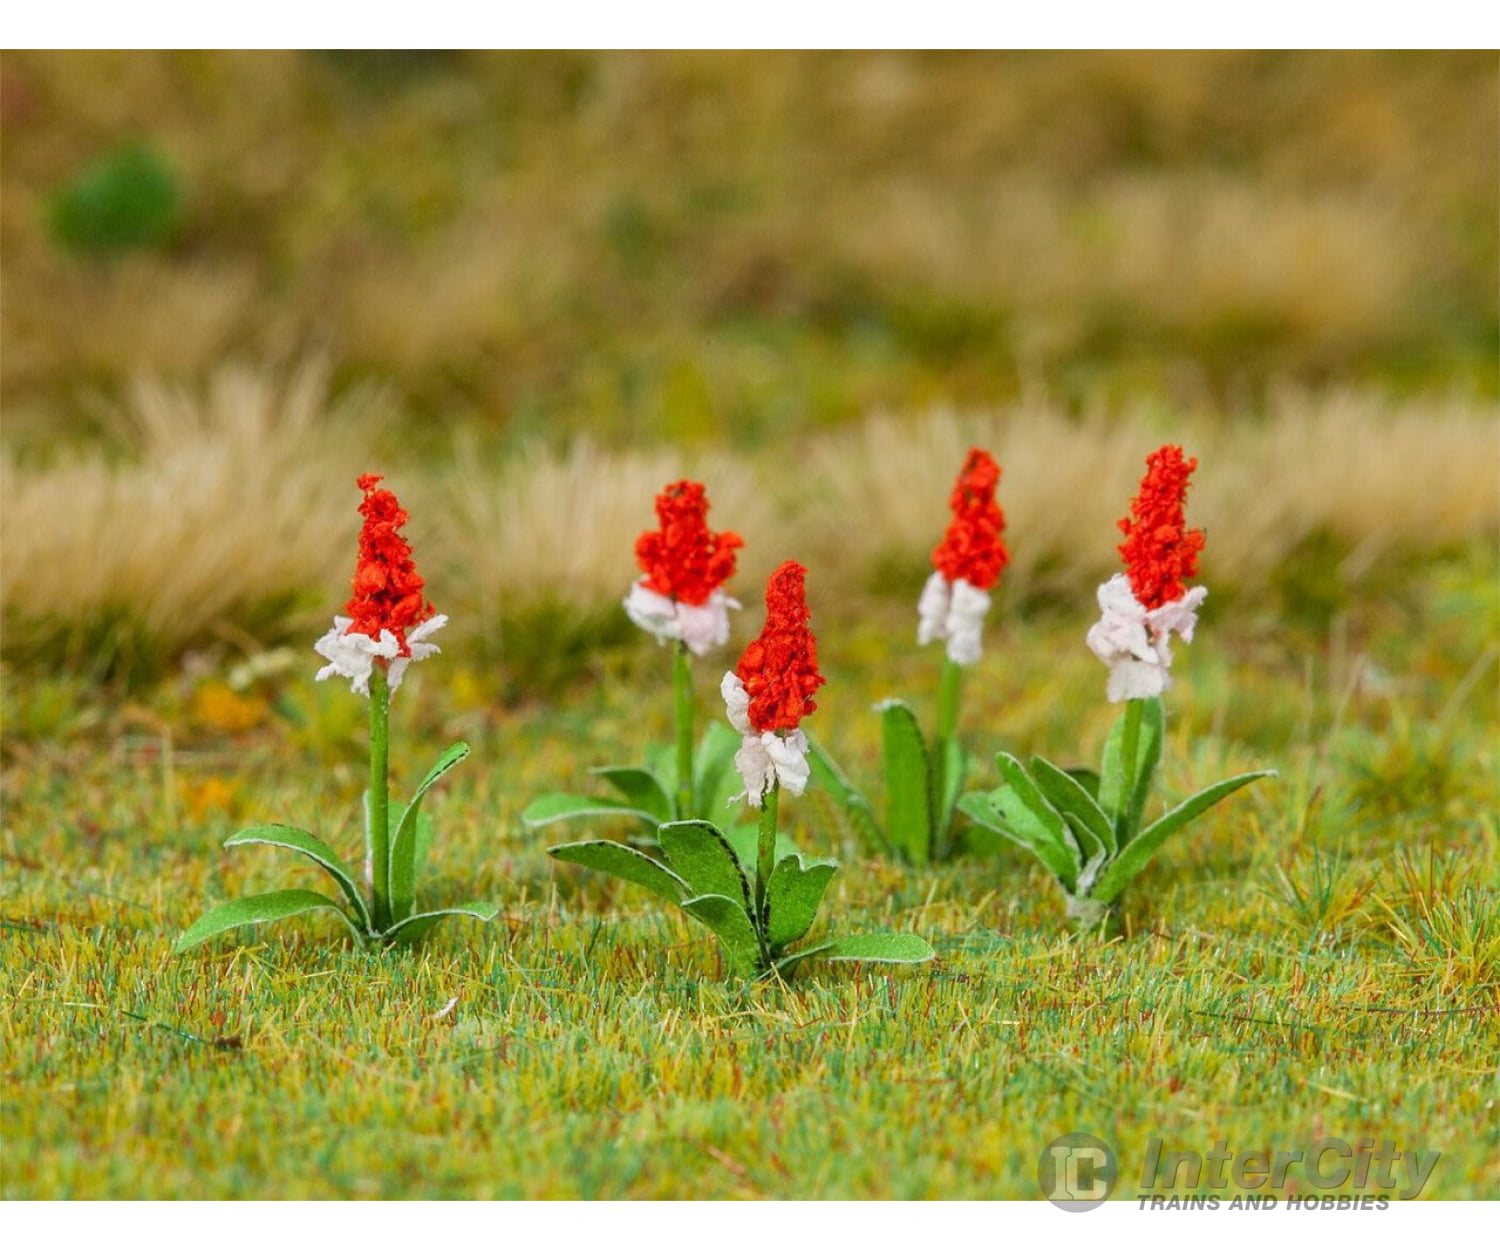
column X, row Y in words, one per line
column 387, row 586
column 1159, row 550
column 971, row 548
column 685, row 560
column 780, row 668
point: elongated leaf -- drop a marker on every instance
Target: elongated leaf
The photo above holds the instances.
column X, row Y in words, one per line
column 661, row 763
column 908, row 783
column 1063, row 791
column 701, row 856
column 1088, row 779
column 315, row 849
column 1025, row 808
column 424, row 844
column 731, row 922
column 882, row 948
column 411, row 929
column 715, row 779
column 260, row 909
column 1125, row 810
column 793, row 896
column 627, row 864
column 1138, row 853
column 830, row 777
column 641, row 789
column 1003, row 812
column 549, row 808
column 403, row 861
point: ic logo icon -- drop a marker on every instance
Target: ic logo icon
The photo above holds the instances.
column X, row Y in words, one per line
column 1077, row 1172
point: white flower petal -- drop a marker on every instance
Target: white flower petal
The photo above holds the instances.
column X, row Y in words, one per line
column 932, row 610
column 954, row 611
column 353, row 656
column 701, row 627
column 756, row 769
column 1135, row 643
column 767, row 758
column 654, row 613
column 736, row 702
column 707, row 625
column 789, row 756
column 966, row 613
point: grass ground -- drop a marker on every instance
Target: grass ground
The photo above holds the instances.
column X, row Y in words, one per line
column 1319, row 958
column 532, row 288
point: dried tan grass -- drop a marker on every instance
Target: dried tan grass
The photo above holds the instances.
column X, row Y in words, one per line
column 1420, row 474
column 224, row 502
column 244, row 493
column 560, row 526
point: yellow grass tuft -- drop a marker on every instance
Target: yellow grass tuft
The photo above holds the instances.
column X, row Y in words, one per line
column 227, row 500
column 1377, row 473
column 561, row 526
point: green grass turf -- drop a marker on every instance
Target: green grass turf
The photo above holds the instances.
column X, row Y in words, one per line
column 1319, row 957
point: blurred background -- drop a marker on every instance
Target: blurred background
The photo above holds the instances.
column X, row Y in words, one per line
column 533, row 288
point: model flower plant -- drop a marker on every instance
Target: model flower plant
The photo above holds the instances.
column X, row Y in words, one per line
column 761, row 899
column 679, row 599
column 388, row 623
column 922, row 781
column 1089, row 828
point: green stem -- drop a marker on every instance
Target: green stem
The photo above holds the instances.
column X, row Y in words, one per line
column 949, row 688
column 682, row 690
column 379, row 833
column 1129, row 750
column 765, row 853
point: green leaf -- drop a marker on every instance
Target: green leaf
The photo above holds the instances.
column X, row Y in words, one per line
column 831, row 779
column 1095, row 834
column 315, row 849
column 405, row 932
column 641, row 789
column 701, row 856
column 1002, row 811
column 629, row 865
column 793, row 895
column 550, row 808
column 908, row 782
column 880, row 948
column 1025, row 808
column 715, row 779
column 260, row 909
column 661, row 763
column 1125, row 810
column 423, row 846
column 402, row 881
column 1135, row 856
column 745, row 839
column 1087, row 778
column 731, row 922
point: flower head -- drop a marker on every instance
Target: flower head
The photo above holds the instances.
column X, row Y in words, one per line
column 684, row 560
column 772, row 689
column 972, row 549
column 388, row 618
column 1142, row 608
column 685, row 564
column 968, row 562
column 387, row 586
column 1159, row 549
column 780, row 668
